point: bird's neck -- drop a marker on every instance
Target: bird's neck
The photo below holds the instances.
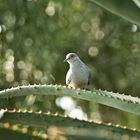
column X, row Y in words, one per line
column 75, row 64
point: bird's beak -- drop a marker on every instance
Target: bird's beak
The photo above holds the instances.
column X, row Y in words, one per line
column 65, row 60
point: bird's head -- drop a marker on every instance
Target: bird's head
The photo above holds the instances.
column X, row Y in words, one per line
column 71, row 57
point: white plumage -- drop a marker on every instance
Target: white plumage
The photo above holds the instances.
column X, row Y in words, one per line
column 78, row 75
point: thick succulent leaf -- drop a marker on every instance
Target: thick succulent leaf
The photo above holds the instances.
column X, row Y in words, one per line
column 65, row 124
column 116, row 100
column 126, row 9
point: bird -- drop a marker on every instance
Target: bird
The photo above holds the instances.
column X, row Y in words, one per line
column 79, row 74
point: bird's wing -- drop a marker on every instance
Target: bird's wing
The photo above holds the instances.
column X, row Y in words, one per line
column 83, row 66
column 68, row 78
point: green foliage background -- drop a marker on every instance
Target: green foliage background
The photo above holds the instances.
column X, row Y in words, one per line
column 36, row 35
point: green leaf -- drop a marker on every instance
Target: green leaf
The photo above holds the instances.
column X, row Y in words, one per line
column 44, row 120
column 126, row 9
column 116, row 100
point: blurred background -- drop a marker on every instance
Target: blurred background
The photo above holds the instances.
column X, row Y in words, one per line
column 35, row 36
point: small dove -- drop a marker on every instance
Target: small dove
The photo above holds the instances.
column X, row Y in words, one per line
column 79, row 74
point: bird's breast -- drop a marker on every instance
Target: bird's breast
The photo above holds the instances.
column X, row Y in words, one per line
column 79, row 75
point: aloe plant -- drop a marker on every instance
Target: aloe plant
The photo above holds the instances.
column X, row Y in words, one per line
column 68, row 127
column 116, row 100
column 126, row 9
column 44, row 120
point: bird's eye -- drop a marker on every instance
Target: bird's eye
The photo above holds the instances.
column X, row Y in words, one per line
column 72, row 56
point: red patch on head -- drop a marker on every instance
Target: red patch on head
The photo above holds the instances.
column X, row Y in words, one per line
column 72, row 55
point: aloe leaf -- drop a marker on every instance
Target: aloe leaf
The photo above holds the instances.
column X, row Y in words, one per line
column 126, row 9
column 44, row 120
column 116, row 100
